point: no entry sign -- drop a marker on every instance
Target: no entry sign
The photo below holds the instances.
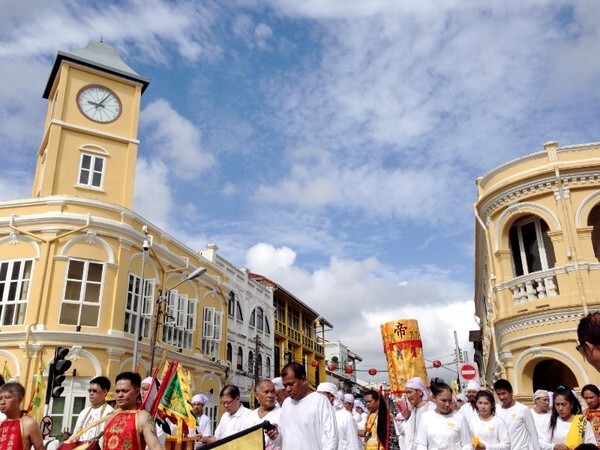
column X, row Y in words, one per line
column 46, row 426
column 468, row 371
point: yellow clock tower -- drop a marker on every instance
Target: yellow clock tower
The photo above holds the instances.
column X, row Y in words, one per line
column 81, row 270
column 89, row 148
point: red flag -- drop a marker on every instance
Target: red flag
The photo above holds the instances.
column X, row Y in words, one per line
column 153, row 397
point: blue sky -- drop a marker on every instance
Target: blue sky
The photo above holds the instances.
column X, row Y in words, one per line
column 330, row 145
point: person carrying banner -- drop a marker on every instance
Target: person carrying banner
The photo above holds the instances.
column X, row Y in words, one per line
column 97, row 392
column 130, row 428
column 268, row 408
column 235, row 418
column 307, row 419
column 17, row 432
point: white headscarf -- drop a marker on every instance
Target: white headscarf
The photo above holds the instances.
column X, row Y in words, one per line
column 200, row 398
column 417, row 383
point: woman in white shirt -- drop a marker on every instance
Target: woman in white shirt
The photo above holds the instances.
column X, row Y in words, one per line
column 442, row 427
column 489, row 431
column 568, row 427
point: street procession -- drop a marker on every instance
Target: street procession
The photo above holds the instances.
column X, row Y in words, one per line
column 299, row 225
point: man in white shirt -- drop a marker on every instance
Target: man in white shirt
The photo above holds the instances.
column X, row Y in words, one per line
column 203, row 427
column 346, row 425
column 97, row 391
column 235, row 418
column 518, row 418
column 469, row 410
column 268, row 408
column 417, row 396
column 307, row 418
column 541, row 411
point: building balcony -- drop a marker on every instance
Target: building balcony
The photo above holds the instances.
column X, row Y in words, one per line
column 298, row 337
column 533, row 286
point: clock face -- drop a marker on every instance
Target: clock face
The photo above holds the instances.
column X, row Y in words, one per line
column 98, row 103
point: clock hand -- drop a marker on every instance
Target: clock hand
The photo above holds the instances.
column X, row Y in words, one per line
column 104, row 99
column 95, row 104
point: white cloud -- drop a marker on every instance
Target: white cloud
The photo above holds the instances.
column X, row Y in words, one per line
column 253, row 34
column 358, row 296
column 153, row 198
column 176, row 140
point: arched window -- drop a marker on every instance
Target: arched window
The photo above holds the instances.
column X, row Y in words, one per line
column 260, row 315
column 267, row 327
column 240, row 359
column 594, row 221
column 268, row 368
column 531, row 247
column 253, row 318
column 250, row 362
column 229, row 353
column 231, row 304
column 238, row 309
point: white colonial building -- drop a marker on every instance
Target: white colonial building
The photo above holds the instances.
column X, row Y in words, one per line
column 250, row 331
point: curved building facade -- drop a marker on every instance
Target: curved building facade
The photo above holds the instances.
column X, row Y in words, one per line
column 537, row 269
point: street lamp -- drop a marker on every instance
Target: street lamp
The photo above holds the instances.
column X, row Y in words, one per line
column 140, row 306
column 195, row 274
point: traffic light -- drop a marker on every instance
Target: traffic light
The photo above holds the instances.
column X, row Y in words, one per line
column 57, row 371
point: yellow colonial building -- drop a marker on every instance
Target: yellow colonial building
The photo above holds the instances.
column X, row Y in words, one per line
column 79, row 268
column 537, row 269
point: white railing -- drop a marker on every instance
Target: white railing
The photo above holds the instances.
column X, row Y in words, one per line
column 533, row 286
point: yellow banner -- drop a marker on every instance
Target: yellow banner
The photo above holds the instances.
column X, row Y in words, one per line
column 404, row 352
column 250, row 439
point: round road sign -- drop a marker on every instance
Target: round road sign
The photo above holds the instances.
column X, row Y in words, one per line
column 46, row 426
column 468, row 371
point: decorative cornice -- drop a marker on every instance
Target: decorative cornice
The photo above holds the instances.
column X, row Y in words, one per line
column 538, row 320
column 530, row 187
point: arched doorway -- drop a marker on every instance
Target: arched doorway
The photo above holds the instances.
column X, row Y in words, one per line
column 550, row 373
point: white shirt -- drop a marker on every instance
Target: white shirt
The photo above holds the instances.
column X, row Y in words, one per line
column 411, row 426
column 203, row 428
column 308, row 424
column 521, row 427
column 468, row 411
column 233, row 423
column 493, row 432
column 347, row 431
column 547, row 441
column 542, row 422
column 89, row 415
column 272, row 416
column 443, row 432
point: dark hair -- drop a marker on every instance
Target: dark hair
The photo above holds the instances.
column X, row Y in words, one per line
column 103, row 382
column 570, row 396
column 294, row 367
column 438, row 386
column 230, row 390
column 588, row 329
column 134, row 378
column 488, row 395
column 503, row 384
column 586, row 447
column 14, row 388
column 2, row 380
column 591, row 387
column 373, row 393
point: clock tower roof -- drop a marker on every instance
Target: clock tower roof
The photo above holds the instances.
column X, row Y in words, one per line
column 98, row 55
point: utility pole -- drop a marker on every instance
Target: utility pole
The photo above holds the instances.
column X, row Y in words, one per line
column 457, row 353
column 256, row 350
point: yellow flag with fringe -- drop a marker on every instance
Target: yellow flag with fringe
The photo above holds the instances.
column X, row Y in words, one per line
column 5, row 372
column 39, row 387
column 177, row 399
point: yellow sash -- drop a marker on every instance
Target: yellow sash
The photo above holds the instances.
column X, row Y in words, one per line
column 576, row 431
